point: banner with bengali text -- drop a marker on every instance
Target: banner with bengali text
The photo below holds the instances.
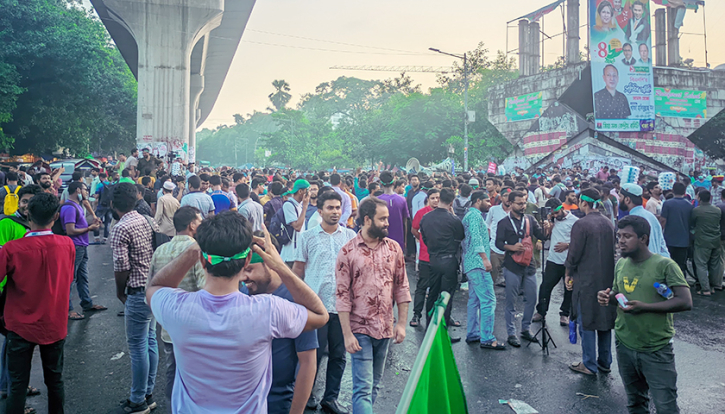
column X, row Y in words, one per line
column 621, row 62
column 524, row 107
column 678, row 103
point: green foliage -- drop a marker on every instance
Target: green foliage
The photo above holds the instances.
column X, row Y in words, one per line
column 280, row 97
column 349, row 122
column 237, row 144
column 63, row 84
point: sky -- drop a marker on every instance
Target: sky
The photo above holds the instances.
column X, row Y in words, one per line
column 300, row 40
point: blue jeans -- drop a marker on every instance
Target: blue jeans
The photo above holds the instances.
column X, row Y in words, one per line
column 106, row 215
column 4, row 376
column 81, row 279
column 481, row 306
column 367, row 371
column 142, row 347
column 591, row 341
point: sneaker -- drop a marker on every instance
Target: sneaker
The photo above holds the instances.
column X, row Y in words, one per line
column 130, row 408
column 563, row 320
column 464, row 286
column 150, row 402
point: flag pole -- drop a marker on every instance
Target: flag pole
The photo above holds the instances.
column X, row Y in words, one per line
column 417, row 369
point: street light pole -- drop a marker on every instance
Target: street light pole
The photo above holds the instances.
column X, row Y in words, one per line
column 465, row 102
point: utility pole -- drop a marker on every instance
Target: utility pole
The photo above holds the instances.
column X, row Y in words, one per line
column 465, row 102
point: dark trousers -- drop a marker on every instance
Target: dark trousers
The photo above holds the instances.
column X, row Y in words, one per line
column 20, row 357
column 410, row 248
column 170, row 370
column 552, row 275
column 648, row 373
column 679, row 255
column 331, row 336
column 106, row 215
column 443, row 278
column 420, row 287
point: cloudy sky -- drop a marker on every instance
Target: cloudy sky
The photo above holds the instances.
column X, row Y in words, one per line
column 299, row 41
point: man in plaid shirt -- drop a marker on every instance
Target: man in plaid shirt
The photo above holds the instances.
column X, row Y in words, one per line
column 131, row 241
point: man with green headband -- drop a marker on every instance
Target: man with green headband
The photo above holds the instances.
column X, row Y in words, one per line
column 222, row 337
column 590, row 269
column 555, row 271
column 294, row 211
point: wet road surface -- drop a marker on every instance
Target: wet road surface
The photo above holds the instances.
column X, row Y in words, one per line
column 97, row 377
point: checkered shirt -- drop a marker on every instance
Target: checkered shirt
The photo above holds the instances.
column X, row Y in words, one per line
column 132, row 248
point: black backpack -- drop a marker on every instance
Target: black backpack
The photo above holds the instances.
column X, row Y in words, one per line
column 157, row 238
column 459, row 209
column 106, row 195
column 58, row 227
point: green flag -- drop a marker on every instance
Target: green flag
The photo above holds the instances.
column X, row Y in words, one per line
column 434, row 386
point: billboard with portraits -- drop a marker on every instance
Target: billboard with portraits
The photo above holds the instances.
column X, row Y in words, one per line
column 621, row 60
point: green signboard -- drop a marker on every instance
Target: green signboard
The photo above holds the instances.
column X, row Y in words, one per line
column 521, row 108
column 677, row 103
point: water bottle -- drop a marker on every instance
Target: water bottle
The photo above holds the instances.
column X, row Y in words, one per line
column 572, row 332
column 663, row 290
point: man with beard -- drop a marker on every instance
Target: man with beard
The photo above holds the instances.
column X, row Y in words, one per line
column 494, row 216
column 293, row 359
column 589, row 269
column 519, row 268
column 654, row 203
column 45, row 182
column 555, row 270
column 645, row 326
column 630, row 200
column 397, row 209
column 312, row 190
column 315, row 258
column 442, row 233
column 476, row 266
column 371, row 278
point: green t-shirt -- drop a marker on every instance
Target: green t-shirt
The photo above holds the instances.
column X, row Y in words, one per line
column 11, row 230
column 126, row 180
column 645, row 332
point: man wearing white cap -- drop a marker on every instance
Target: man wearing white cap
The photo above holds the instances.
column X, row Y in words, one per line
column 166, row 207
column 473, row 182
column 630, row 199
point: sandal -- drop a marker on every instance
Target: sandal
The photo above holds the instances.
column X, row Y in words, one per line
column 32, row 391
column 455, row 323
column 490, row 345
column 580, row 368
column 29, row 410
column 415, row 321
column 75, row 316
column 704, row 293
column 96, row 308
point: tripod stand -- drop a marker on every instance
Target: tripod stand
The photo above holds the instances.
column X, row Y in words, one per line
column 545, row 335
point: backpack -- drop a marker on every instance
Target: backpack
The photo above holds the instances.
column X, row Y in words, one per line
column 106, row 195
column 157, row 238
column 58, row 227
column 461, row 210
column 11, row 201
column 282, row 231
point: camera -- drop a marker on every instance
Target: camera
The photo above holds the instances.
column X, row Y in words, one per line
column 544, row 211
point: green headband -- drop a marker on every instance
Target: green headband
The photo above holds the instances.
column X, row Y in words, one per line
column 215, row 260
column 591, row 200
column 256, row 259
column 558, row 208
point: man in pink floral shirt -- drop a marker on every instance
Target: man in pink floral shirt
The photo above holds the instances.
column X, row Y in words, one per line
column 371, row 276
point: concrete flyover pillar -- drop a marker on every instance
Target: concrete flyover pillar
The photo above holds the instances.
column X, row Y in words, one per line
column 524, row 58
column 197, row 87
column 165, row 32
column 572, row 31
column 673, row 39
column 661, row 37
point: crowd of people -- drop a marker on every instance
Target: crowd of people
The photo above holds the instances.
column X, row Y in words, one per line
column 252, row 275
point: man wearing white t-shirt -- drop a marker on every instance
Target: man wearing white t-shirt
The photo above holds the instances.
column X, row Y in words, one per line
column 223, row 338
column 295, row 209
column 495, row 214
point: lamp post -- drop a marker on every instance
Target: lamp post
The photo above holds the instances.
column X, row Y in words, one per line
column 465, row 102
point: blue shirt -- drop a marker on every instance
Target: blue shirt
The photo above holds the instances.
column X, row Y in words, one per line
column 476, row 241
column 657, row 243
column 284, row 363
column 677, row 212
column 221, row 201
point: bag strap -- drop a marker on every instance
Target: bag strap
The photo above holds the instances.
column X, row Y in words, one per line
column 7, row 189
column 17, row 189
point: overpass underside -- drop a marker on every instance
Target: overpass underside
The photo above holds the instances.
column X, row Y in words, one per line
column 180, row 52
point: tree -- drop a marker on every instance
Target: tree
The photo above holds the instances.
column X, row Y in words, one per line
column 72, row 90
column 280, row 97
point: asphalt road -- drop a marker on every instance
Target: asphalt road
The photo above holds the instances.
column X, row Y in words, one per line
column 97, row 367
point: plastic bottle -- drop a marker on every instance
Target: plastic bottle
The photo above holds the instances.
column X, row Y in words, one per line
column 572, row 332
column 663, row 290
